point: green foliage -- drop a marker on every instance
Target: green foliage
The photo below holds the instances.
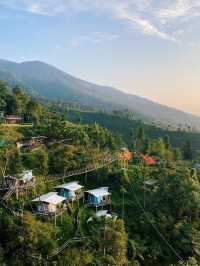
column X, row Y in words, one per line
column 171, row 204
column 177, row 154
column 127, row 128
column 37, row 238
column 36, row 160
column 10, row 161
column 34, row 111
column 187, row 151
column 167, row 142
column 17, row 102
column 140, row 138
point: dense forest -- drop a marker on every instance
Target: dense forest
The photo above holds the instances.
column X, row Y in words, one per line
column 154, row 210
column 125, row 124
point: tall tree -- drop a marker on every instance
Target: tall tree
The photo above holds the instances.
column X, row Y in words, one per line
column 21, row 100
column 187, row 151
column 167, row 142
column 140, row 138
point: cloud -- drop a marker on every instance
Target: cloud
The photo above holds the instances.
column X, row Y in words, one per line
column 180, row 8
column 37, row 9
column 93, row 38
column 150, row 17
column 143, row 25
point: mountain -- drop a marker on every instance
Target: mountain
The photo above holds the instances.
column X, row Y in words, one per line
column 52, row 83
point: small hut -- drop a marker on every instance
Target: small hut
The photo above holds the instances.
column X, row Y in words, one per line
column 148, row 160
column 47, row 204
column 18, row 185
column 70, row 191
column 150, row 184
column 26, row 178
column 11, row 119
column 98, row 197
column 102, row 214
column 28, row 143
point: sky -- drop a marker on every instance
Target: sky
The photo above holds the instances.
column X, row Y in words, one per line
column 146, row 47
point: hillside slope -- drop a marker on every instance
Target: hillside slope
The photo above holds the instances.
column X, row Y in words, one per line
column 48, row 81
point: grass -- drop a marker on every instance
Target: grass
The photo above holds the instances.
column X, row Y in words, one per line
column 17, row 125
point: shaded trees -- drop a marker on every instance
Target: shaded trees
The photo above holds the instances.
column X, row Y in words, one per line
column 187, row 151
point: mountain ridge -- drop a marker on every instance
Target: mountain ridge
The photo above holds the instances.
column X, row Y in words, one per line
column 54, row 84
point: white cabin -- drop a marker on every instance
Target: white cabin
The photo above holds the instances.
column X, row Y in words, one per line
column 49, row 203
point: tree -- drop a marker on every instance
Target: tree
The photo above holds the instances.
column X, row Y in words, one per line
column 187, row 151
column 118, row 248
column 7, row 100
column 37, row 160
column 158, row 148
column 37, row 239
column 167, row 142
column 140, row 138
column 123, row 191
column 20, row 100
column 3, row 95
column 34, row 111
column 7, row 153
column 62, row 159
column 177, row 154
column 147, row 146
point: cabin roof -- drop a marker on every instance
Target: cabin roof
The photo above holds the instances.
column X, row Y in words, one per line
column 51, row 197
column 99, row 192
column 103, row 213
column 150, row 182
column 72, row 186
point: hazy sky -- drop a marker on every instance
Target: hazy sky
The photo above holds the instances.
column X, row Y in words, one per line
column 145, row 47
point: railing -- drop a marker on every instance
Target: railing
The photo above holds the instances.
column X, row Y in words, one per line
column 102, row 203
column 65, row 245
column 88, row 169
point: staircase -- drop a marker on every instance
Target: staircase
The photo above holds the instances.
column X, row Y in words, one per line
column 9, row 193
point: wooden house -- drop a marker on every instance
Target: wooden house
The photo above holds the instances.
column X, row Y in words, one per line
column 11, row 119
column 31, row 143
column 48, row 204
column 98, row 197
column 70, row 191
column 18, row 185
column 26, row 177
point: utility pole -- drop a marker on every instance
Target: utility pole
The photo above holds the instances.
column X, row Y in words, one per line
column 123, row 190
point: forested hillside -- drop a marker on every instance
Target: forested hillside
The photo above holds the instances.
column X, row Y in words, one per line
column 124, row 124
column 153, row 200
column 49, row 82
